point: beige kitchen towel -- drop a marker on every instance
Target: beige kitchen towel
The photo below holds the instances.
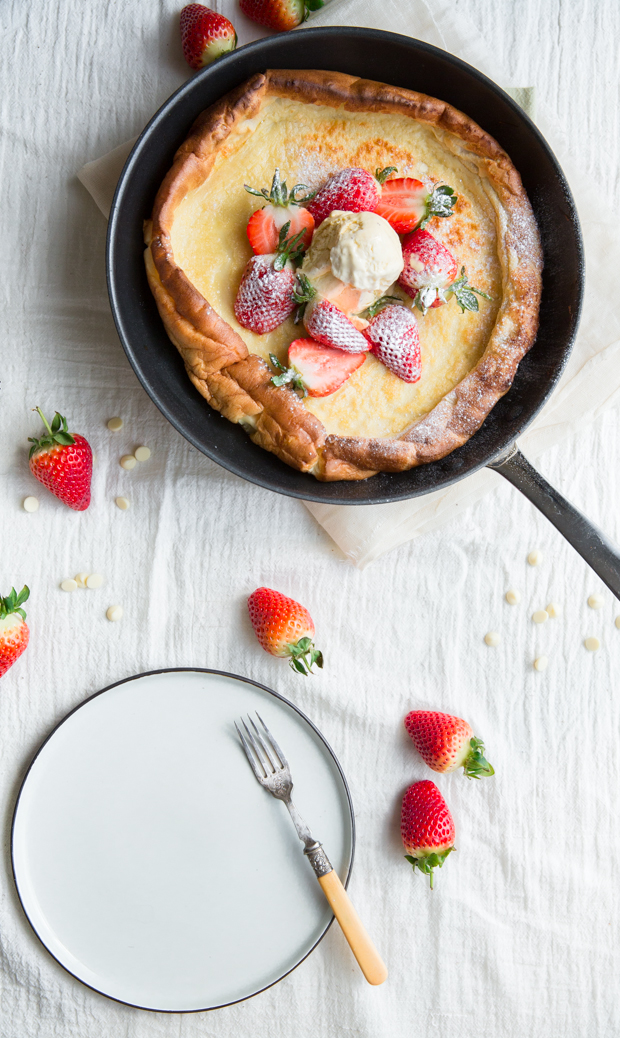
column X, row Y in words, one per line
column 591, row 382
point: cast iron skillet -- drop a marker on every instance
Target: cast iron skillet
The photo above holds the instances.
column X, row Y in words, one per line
column 404, row 62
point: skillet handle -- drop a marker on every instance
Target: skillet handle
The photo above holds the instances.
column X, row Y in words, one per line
column 585, row 537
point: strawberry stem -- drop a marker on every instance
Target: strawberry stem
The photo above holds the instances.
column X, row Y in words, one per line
column 475, row 764
column 57, row 433
column 427, row 862
column 12, row 602
column 304, row 656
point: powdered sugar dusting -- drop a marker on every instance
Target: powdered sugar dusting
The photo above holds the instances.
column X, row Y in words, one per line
column 265, row 296
column 395, row 341
column 329, row 326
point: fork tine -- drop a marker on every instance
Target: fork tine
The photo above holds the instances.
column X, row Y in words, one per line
column 264, row 747
column 273, row 743
column 258, row 750
column 249, row 754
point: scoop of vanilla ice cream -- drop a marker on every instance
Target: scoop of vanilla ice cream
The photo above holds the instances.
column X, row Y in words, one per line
column 360, row 249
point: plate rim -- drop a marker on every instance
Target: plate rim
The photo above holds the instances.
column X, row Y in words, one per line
column 124, row 681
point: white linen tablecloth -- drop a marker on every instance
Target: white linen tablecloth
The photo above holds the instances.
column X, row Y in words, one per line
column 521, row 934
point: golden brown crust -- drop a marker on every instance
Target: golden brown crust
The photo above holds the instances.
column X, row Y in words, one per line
column 238, row 384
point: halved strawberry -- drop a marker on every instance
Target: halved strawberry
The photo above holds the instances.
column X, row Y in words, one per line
column 407, row 204
column 395, row 341
column 265, row 224
column 316, row 370
column 325, row 322
column 205, row 35
column 351, row 190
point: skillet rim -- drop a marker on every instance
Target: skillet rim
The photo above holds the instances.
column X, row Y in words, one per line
column 385, row 487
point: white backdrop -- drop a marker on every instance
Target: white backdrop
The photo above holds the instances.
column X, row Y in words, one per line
column 519, row 936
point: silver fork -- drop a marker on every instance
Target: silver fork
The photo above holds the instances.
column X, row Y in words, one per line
column 272, row 770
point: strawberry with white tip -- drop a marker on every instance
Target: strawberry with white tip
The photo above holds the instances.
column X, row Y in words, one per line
column 283, row 207
column 205, row 35
column 14, row 633
column 446, row 743
column 325, row 322
column 284, row 628
column 266, row 295
column 315, row 370
column 395, row 340
column 429, row 275
column 427, row 828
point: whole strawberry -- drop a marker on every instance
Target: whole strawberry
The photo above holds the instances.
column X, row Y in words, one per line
column 284, row 628
column 446, row 743
column 205, row 35
column 427, row 827
column 350, row 190
column 395, row 341
column 62, row 462
column 279, row 14
column 14, row 633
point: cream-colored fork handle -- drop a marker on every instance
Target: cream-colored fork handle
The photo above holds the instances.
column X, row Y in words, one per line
column 370, row 962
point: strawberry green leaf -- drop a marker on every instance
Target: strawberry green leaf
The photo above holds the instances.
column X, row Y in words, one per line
column 475, row 764
column 380, row 304
column 56, row 422
column 65, row 439
column 439, row 203
column 299, row 667
column 12, row 602
column 382, row 174
column 426, row 863
column 465, row 294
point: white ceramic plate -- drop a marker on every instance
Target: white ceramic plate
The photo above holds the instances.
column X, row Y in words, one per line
column 148, row 859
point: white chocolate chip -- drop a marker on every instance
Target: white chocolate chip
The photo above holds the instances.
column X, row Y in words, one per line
column 592, row 644
column 540, row 616
column 80, row 579
column 122, row 503
column 492, row 638
column 535, row 557
column 114, row 613
column 128, row 462
column 95, row 580
column 553, row 610
column 513, row 597
column 617, row 622
column 142, row 453
column 115, row 424
column 30, row 504
column 596, row 601
column 68, row 585
column 541, row 663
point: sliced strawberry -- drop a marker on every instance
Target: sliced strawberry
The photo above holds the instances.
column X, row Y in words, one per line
column 407, row 204
column 265, row 225
column 316, row 370
column 205, row 35
column 402, row 203
column 395, row 341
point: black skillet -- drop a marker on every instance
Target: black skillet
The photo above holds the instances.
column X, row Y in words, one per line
column 387, row 57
